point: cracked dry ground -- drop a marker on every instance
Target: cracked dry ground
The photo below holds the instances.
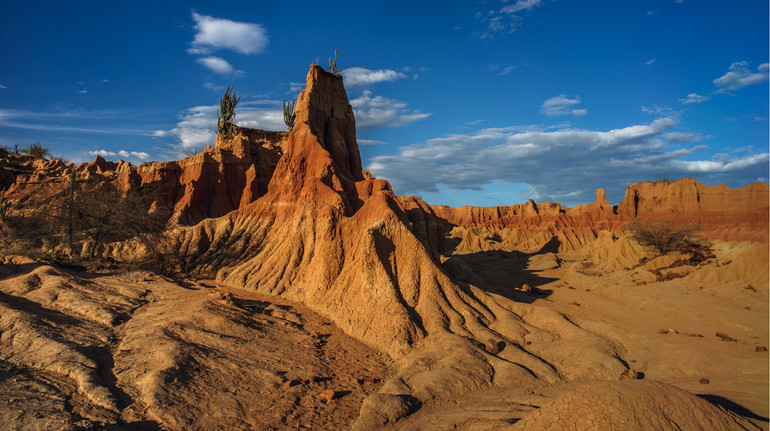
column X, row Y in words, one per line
column 83, row 351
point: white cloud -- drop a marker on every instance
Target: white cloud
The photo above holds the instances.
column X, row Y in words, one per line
column 73, row 121
column 141, row 155
column 246, row 38
column 557, row 163
column 579, row 112
column 650, row 61
column 82, row 91
column 520, row 5
column 216, row 64
column 662, row 111
column 375, row 112
column 213, row 87
column 196, row 127
column 359, row 76
column 370, row 142
column 505, row 19
column 682, row 137
column 296, row 87
column 560, row 105
column 694, row 98
column 507, row 70
column 3, row 86
column 739, row 76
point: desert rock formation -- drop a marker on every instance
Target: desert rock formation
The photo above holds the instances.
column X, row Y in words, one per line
column 468, row 303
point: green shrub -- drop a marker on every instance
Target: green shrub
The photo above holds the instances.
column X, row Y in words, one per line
column 35, row 150
column 226, row 113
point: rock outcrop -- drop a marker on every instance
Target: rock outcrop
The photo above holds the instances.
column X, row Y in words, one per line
column 209, row 184
column 721, row 213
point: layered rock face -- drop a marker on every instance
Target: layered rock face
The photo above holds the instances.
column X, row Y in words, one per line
column 209, row 184
column 725, row 213
column 721, row 213
column 325, row 236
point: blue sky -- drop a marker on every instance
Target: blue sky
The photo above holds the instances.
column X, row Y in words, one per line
column 460, row 102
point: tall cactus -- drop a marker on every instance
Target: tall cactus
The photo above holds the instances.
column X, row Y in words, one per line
column 333, row 64
column 226, row 113
column 70, row 209
column 288, row 114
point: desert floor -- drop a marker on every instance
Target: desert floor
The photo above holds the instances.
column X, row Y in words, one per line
column 139, row 351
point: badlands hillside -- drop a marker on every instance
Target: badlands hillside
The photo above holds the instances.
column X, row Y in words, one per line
column 292, row 290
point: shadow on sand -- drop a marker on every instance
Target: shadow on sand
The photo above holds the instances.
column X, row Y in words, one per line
column 501, row 272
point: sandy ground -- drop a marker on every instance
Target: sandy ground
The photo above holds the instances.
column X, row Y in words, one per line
column 666, row 330
column 137, row 351
column 84, row 351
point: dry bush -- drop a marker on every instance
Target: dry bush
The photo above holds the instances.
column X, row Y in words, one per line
column 667, row 237
column 98, row 213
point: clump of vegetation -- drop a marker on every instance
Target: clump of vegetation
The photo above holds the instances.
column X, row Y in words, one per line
column 78, row 221
column 666, row 237
column 288, row 114
column 35, row 150
column 333, row 64
column 3, row 204
column 226, row 113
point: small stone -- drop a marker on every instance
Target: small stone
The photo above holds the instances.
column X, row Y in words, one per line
column 704, row 381
column 663, row 331
column 760, row 349
column 493, row 347
column 747, row 308
column 575, row 304
column 328, row 395
column 629, row 374
column 696, row 335
column 751, row 288
column 725, row 337
column 526, row 288
column 314, row 334
column 294, row 382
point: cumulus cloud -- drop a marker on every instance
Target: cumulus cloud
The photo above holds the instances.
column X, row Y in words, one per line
column 560, row 105
column 359, row 76
column 694, row 98
column 739, row 75
column 376, row 111
column 215, row 33
column 559, row 163
column 217, row 65
column 141, row 155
